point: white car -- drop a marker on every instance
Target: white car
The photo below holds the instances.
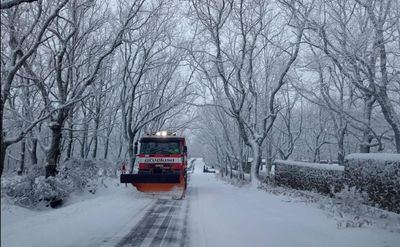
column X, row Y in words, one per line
column 207, row 169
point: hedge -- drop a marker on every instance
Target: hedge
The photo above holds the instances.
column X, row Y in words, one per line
column 323, row 178
column 378, row 175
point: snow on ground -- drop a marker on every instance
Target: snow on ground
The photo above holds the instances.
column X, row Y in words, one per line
column 225, row 215
column 86, row 221
column 219, row 214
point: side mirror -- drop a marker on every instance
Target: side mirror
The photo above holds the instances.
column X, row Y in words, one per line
column 136, row 148
column 185, row 149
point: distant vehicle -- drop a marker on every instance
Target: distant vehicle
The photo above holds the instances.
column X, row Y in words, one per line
column 207, row 169
column 162, row 163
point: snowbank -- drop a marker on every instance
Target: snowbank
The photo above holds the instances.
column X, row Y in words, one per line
column 308, row 176
column 33, row 190
column 378, row 175
column 86, row 219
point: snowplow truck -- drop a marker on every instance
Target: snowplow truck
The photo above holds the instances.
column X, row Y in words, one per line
column 162, row 163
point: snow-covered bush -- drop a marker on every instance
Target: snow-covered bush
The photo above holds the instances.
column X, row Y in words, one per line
column 81, row 173
column 52, row 188
column 323, row 178
column 75, row 175
column 378, row 175
column 31, row 190
column 86, row 174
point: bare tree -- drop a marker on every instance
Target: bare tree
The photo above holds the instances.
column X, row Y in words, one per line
column 74, row 35
column 24, row 37
column 292, row 124
column 151, row 88
column 250, row 91
column 364, row 60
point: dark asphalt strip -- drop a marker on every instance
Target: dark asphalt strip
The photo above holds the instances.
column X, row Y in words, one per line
column 139, row 233
column 163, row 227
column 167, row 219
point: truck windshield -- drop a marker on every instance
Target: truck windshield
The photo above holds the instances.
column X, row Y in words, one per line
column 160, row 148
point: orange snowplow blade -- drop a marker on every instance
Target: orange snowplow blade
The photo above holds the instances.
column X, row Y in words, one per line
column 158, row 187
column 154, row 182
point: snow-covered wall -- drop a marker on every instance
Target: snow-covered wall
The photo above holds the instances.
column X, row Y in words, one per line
column 378, row 175
column 308, row 176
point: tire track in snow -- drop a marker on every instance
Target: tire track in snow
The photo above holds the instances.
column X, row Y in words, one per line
column 136, row 236
column 114, row 240
column 177, row 232
column 164, row 224
column 163, row 227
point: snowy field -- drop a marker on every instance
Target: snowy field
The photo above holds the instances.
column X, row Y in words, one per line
column 218, row 214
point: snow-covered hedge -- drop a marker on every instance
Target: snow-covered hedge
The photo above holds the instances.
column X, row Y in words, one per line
column 74, row 175
column 378, row 175
column 323, row 178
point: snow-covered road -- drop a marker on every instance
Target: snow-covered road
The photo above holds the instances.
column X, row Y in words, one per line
column 214, row 213
column 224, row 215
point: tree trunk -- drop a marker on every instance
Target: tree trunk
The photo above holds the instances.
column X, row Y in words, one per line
column 22, row 157
column 88, row 146
column 3, row 146
column 106, row 147
column 317, row 153
column 70, row 143
column 390, row 116
column 259, row 161
column 97, row 123
column 3, row 149
column 54, row 152
column 83, row 144
column 85, row 134
column 384, row 101
column 268, row 158
column 241, row 156
column 32, row 152
column 225, row 169
column 70, row 138
column 256, row 149
column 341, row 152
column 367, row 138
column 131, row 155
column 243, row 164
column 94, row 153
